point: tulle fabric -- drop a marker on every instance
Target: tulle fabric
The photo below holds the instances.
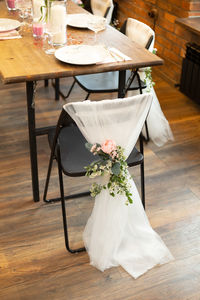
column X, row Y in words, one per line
column 120, row 119
column 117, row 234
column 158, row 126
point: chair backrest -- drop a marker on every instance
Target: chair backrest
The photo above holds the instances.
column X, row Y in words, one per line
column 120, row 120
column 103, row 8
column 139, row 32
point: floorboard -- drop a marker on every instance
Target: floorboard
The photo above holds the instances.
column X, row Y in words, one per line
column 33, row 261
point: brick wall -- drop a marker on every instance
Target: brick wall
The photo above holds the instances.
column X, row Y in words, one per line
column 170, row 37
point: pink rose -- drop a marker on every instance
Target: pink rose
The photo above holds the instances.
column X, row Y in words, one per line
column 108, row 146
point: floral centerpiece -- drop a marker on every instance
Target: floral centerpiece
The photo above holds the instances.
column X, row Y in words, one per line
column 112, row 162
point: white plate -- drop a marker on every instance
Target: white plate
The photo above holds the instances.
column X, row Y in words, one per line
column 8, row 24
column 78, row 20
column 85, row 21
column 81, row 54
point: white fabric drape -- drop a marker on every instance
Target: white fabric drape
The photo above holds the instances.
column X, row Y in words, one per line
column 158, row 126
column 117, row 234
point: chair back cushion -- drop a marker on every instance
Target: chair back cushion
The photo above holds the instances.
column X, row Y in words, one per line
column 139, row 32
column 120, row 120
column 103, row 8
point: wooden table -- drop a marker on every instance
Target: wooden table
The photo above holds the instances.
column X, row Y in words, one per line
column 20, row 61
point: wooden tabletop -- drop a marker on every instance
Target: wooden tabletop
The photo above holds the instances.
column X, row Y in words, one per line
column 24, row 59
column 192, row 24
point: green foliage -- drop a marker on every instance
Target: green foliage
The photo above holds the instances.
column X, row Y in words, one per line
column 115, row 167
column 148, row 75
column 148, row 78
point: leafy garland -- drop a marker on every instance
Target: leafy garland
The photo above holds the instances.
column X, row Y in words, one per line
column 111, row 162
column 148, row 75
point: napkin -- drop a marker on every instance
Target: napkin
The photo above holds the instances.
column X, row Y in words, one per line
column 14, row 34
column 114, row 55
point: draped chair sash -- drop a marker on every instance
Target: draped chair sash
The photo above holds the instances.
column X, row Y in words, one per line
column 117, row 234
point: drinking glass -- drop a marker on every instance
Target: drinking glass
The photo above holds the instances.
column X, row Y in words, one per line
column 24, row 7
column 11, row 4
column 50, row 34
column 96, row 24
column 25, row 12
column 55, row 24
column 38, row 29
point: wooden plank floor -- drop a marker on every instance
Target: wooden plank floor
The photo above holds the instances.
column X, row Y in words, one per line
column 33, row 261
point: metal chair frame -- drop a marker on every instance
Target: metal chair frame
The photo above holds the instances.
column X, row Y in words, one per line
column 65, row 120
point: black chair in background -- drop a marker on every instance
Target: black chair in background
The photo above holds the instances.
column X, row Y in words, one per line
column 108, row 82
column 97, row 7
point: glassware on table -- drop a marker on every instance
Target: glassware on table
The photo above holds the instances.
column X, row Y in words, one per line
column 25, row 12
column 11, row 4
column 38, row 29
column 55, row 27
column 96, row 24
column 50, row 34
column 39, row 14
column 24, row 7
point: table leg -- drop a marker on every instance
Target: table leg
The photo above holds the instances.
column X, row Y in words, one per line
column 57, row 88
column 121, row 84
column 30, row 93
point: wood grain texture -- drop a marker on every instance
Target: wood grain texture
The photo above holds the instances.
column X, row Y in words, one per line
column 192, row 24
column 33, row 261
column 25, row 60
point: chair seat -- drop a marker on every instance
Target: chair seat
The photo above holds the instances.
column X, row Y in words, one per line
column 72, row 143
column 105, row 82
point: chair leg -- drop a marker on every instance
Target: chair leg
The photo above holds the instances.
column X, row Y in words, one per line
column 129, row 81
column 147, row 131
column 46, row 82
column 142, row 173
column 69, row 92
column 68, row 197
column 64, row 211
column 48, row 178
column 58, row 92
column 139, row 82
column 142, row 184
column 86, row 98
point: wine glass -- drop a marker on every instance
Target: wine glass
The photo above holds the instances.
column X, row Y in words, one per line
column 25, row 11
column 96, row 24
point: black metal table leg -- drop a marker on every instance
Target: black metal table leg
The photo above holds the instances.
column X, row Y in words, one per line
column 30, row 91
column 57, row 88
column 121, row 84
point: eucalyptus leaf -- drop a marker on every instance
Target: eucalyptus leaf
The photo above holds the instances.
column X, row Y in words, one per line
column 116, row 168
column 88, row 146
